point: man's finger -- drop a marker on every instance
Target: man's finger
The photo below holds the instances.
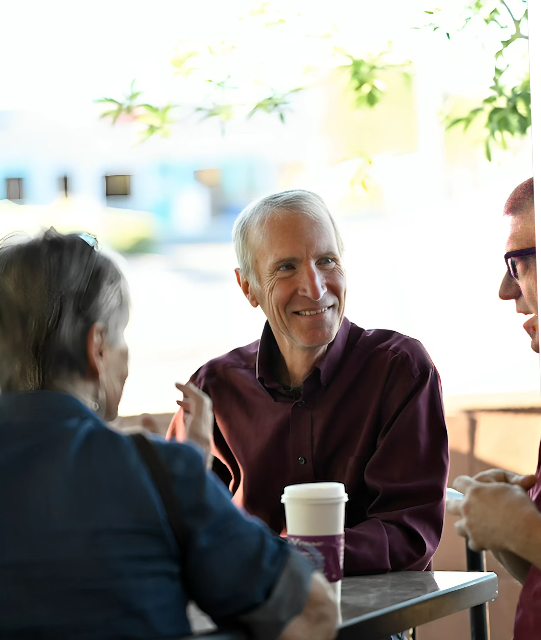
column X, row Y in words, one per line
column 460, row 528
column 492, row 475
column 474, row 546
column 526, row 482
column 454, row 506
column 462, row 483
column 192, row 392
column 185, row 404
column 189, row 389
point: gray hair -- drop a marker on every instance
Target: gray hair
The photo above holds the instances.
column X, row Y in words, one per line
column 258, row 212
column 43, row 326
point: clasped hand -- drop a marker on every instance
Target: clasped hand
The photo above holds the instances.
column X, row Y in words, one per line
column 493, row 506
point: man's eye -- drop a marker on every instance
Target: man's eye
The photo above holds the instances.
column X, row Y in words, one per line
column 327, row 261
column 520, row 265
column 285, row 267
column 513, row 267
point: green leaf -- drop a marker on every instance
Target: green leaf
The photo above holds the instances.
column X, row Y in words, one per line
column 150, row 108
column 179, row 61
column 454, row 122
column 108, row 114
column 488, row 152
column 467, row 123
column 372, row 98
column 108, row 100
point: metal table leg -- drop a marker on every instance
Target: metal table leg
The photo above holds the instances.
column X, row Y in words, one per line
column 475, row 561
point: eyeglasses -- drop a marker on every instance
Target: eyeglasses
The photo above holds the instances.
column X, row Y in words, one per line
column 513, row 259
column 92, row 242
column 16, row 237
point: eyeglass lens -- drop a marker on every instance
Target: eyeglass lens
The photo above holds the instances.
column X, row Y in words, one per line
column 517, row 265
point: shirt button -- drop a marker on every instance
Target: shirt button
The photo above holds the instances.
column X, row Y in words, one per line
column 302, row 460
column 301, row 403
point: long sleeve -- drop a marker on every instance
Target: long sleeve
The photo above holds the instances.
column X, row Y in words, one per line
column 235, row 568
column 405, row 479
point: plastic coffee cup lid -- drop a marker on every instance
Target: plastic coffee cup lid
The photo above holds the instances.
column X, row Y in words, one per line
column 317, row 491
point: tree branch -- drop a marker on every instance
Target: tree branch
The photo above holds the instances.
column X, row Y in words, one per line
column 509, row 10
column 516, row 22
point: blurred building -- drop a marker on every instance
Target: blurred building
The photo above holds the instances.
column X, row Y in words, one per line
column 191, row 198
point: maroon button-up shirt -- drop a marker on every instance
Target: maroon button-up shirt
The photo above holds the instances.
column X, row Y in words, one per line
column 528, row 616
column 370, row 415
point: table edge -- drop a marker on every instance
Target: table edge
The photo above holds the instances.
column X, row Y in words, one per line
column 489, row 577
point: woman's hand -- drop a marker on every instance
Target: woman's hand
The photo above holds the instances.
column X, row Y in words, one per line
column 194, row 421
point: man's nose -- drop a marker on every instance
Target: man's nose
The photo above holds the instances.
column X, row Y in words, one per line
column 312, row 285
column 509, row 289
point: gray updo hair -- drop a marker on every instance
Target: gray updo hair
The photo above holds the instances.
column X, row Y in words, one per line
column 43, row 326
column 258, row 212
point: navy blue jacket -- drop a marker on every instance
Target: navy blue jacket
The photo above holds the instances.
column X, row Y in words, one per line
column 86, row 550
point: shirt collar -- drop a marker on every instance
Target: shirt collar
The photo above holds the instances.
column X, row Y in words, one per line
column 267, row 355
column 328, row 364
column 268, row 352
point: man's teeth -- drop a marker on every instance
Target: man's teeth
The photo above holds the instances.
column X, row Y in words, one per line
column 312, row 313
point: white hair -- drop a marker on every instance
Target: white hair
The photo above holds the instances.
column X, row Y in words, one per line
column 258, row 212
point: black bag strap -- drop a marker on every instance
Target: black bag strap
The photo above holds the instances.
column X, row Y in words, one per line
column 164, row 484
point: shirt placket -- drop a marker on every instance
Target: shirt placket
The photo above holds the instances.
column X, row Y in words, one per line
column 300, row 426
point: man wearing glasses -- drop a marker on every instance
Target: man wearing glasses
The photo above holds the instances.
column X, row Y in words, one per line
column 500, row 510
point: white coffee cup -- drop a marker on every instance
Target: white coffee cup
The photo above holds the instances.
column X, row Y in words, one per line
column 313, row 511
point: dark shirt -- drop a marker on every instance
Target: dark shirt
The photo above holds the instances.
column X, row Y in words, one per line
column 528, row 617
column 86, row 550
column 370, row 416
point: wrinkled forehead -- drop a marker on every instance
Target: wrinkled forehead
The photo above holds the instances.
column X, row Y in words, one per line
column 519, row 230
column 312, row 226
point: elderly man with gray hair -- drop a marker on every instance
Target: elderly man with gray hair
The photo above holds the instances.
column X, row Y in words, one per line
column 318, row 398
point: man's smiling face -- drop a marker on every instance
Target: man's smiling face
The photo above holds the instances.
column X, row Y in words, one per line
column 300, row 282
column 521, row 235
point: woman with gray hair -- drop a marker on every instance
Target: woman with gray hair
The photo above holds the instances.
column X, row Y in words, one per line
column 106, row 535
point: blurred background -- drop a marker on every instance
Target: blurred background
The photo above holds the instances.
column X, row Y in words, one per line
column 152, row 126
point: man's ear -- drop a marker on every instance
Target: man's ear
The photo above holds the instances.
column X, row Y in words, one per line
column 247, row 288
column 95, row 347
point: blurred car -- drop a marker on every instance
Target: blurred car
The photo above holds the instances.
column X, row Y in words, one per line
column 124, row 230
